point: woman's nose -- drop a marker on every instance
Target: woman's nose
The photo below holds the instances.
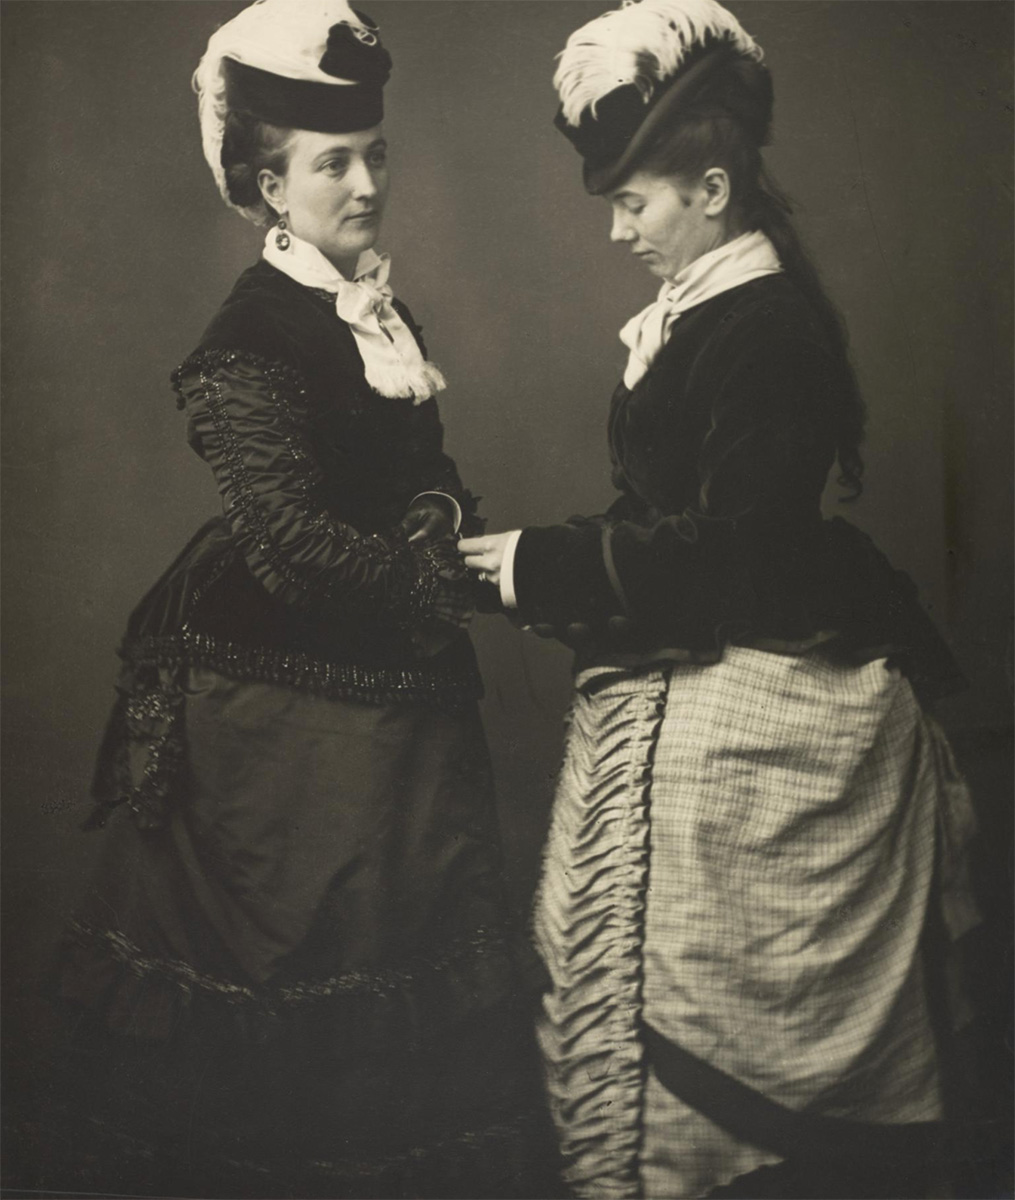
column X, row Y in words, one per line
column 619, row 230
column 364, row 184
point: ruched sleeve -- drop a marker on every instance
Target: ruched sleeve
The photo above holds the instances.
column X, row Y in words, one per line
column 760, row 471
column 249, row 419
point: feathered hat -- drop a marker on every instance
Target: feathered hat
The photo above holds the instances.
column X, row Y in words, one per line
column 626, row 77
column 300, row 64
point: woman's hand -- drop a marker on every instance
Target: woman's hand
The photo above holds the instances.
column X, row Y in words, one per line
column 485, row 555
column 431, row 516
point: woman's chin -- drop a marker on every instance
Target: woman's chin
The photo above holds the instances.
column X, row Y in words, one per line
column 363, row 236
column 345, row 253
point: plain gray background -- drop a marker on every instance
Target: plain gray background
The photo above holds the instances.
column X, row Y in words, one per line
column 893, row 133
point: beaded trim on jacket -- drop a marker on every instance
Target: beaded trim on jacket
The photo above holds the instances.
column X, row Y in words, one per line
column 443, row 685
column 287, row 384
column 446, row 687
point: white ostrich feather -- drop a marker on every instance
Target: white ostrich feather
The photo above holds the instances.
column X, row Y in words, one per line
column 286, row 37
column 641, row 43
column 210, row 86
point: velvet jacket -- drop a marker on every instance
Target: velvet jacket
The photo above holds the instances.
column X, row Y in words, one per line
column 721, row 453
column 308, row 577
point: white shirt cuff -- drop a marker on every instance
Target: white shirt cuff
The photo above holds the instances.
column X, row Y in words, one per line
column 457, row 506
column 507, row 570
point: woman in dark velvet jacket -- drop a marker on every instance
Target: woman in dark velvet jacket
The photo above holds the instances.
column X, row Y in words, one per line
column 293, row 969
column 756, row 821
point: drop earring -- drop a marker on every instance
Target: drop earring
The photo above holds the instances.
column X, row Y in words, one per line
column 282, row 240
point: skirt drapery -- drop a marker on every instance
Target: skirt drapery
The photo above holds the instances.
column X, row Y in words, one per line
column 304, row 982
column 742, row 857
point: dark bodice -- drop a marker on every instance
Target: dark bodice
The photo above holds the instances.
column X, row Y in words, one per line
column 370, row 450
column 720, row 454
column 698, row 419
column 307, row 577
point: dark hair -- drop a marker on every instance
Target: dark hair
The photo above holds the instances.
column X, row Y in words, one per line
column 249, row 146
column 717, row 133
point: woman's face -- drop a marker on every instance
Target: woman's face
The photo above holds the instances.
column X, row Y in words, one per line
column 668, row 222
column 333, row 192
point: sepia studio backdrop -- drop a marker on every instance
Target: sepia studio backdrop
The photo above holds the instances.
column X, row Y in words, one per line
column 893, row 135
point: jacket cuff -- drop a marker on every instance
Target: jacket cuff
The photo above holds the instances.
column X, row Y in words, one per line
column 508, row 597
column 456, row 508
column 610, row 565
column 560, row 576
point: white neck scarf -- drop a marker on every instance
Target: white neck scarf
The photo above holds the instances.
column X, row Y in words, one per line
column 391, row 358
column 747, row 257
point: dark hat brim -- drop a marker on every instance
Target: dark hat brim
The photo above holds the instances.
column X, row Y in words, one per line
column 664, row 112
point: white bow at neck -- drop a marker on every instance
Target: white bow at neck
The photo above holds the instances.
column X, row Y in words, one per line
column 747, row 257
column 391, row 356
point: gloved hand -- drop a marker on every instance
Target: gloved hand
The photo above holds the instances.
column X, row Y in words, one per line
column 430, row 517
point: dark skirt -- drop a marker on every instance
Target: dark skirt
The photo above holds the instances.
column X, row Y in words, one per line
column 303, row 982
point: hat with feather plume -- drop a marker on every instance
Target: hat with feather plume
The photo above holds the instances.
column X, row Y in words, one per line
column 628, row 76
column 298, row 64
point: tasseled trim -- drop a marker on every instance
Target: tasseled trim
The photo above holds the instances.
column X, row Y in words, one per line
column 589, row 929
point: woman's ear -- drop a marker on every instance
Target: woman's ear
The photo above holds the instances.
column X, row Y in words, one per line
column 717, row 191
column 272, row 189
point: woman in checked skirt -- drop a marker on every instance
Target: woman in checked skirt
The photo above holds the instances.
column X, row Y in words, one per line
column 757, row 826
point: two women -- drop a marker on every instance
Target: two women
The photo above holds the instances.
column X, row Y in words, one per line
column 742, row 881
column 297, row 933
column 294, row 967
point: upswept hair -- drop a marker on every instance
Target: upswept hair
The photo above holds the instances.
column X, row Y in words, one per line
column 250, row 146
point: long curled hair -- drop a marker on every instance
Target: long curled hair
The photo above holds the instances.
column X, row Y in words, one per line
column 725, row 127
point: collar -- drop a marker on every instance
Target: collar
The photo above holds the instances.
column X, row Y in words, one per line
column 392, row 361
column 306, row 264
column 746, row 257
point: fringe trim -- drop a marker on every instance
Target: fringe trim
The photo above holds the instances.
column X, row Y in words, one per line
column 399, row 382
column 145, row 747
column 271, row 999
column 446, row 687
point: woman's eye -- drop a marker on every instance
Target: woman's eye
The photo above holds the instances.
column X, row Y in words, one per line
column 379, row 158
column 336, row 166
